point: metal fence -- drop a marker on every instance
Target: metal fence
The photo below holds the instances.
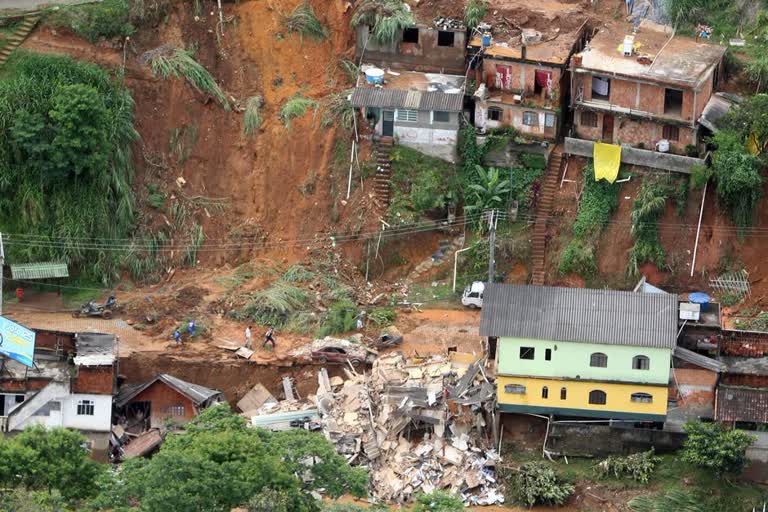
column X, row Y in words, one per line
column 732, row 283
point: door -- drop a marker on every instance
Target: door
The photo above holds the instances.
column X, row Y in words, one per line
column 607, row 128
column 388, row 127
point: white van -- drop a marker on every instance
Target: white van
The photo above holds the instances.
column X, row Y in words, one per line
column 473, row 295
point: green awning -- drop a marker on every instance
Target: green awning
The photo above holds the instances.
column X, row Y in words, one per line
column 39, row 270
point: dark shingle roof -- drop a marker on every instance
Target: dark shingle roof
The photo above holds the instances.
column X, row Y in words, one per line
column 741, row 404
column 580, row 315
column 415, row 100
column 195, row 392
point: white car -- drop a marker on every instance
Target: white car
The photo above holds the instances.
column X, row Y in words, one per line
column 473, row 295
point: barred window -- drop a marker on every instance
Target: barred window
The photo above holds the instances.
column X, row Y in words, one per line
column 671, row 133
column 408, row 116
column 176, row 410
column 589, row 119
column 597, row 397
column 530, row 118
column 85, row 408
column 515, row 389
column 598, row 360
column 641, row 363
column 644, row 398
column 494, row 114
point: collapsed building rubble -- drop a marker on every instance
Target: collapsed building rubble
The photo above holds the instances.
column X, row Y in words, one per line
column 419, row 425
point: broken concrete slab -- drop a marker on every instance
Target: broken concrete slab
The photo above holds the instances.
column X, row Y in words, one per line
column 256, row 398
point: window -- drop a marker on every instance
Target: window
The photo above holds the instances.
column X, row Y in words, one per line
column 641, row 363
column 526, row 352
column 445, row 38
column 85, row 408
column 545, row 392
column 411, row 35
column 589, row 119
column 494, row 114
column 441, row 117
column 563, row 393
column 549, row 120
column 644, row 398
column 601, row 88
column 515, row 389
column 548, row 354
column 408, row 116
column 671, row 133
column 19, row 398
column 598, row 360
column 530, row 118
column 673, row 101
column 176, row 410
column 597, row 397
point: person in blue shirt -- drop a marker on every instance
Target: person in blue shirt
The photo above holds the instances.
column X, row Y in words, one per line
column 177, row 336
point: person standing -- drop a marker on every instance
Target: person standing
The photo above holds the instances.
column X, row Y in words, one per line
column 177, row 336
column 269, row 337
column 191, row 327
column 248, row 343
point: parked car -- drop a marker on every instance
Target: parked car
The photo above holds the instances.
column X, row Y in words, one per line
column 473, row 295
column 339, row 355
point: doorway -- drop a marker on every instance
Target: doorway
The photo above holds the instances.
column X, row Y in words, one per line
column 607, row 128
column 388, row 123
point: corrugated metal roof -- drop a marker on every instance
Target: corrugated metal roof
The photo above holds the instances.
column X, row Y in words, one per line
column 717, row 107
column 415, row 100
column 580, row 315
column 39, row 270
column 699, row 360
column 195, row 392
column 741, row 404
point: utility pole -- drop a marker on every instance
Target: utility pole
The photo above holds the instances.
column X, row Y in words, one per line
column 2, row 264
column 492, row 220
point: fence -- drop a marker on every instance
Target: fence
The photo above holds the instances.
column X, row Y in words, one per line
column 732, row 283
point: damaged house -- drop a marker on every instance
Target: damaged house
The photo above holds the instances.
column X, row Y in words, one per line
column 420, row 110
column 165, row 398
column 524, row 79
column 581, row 353
column 71, row 385
column 646, row 90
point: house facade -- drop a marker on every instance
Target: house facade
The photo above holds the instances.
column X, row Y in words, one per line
column 644, row 88
column 581, row 353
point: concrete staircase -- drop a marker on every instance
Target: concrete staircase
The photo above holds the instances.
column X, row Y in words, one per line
column 444, row 252
column 383, row 177
column 543, row 208
column 18, row 37
column 28, row 409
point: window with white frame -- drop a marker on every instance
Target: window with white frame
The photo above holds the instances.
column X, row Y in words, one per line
column 494, row 114
column 643, row 398
column 85, row 408
column 176, row 410
column 441, row 117
column 408, row 116
column 530, row 118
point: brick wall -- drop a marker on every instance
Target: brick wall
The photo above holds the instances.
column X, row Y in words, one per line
column 522, row 75
column 750, row 381
column 704, row 95
column 695, row 385
column 163, row 397
column 47, row 339
column 633, row 132
column 94, row 379
column 13, row 385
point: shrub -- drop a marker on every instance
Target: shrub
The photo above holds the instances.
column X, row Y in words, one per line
column 252, row 117
column 739, row 183
column 340, row 317
column 700, row 175
column 107, row 19
column 537, row 484
column 295, row 107
column 387, row 18
column 273, row 305
column 298, row 274
column 382, row 316
column 579, row 258
column 716, row 447
column 638, row 466
column 474, row 12
column 303, row 21
column 180, row 63
column 437, row 501
column 339, row 111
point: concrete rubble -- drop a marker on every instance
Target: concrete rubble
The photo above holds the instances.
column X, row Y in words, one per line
column 418, row 426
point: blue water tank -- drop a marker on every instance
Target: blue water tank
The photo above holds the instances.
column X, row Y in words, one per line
column 700, row 298
column 486, row 39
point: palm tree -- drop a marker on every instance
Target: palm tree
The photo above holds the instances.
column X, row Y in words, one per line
column 489, row 192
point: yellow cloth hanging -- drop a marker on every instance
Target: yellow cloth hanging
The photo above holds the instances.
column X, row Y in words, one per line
column 752, row 146
column 607, row 161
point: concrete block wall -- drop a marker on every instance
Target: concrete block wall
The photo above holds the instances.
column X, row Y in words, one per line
column 425, row 56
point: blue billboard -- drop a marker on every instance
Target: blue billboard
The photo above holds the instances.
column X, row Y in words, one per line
column 17, row 342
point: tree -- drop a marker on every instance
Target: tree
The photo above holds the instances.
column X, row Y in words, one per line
column 715, row 446
column 438, row 501
column 739, row 184
column 748, row 118
column 271, row 500
column 42, row 459
column 490, row 192
column 535, row 483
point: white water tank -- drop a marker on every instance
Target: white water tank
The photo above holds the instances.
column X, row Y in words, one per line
column 628, row 48
column 662, row 146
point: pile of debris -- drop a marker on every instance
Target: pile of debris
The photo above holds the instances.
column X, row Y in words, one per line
column 444, row 23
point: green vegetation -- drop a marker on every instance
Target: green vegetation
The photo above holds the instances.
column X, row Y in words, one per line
column 387, row 18
column 65, row 160
column 536, row 483
column 716, row 447
column 648, row 207
column 471, row 152
column 739, row 184
column 638, row 466
column 757, row 323
column 304, row 21
column 474, row 12
column 340, row 317
column 295, row 107
column 700, row 175
column 339, row 111
column 106, row 19
column 598, row 200
column 180, row 63
column 523, row 179
column 252, row 118
column 490, row 191
column 437, row 501
column 273, row 305
column 298, row 273
column 382, row 316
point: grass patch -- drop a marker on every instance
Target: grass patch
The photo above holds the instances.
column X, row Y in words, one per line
column 106, row 19
column 252, row 118
column 180, row 63
column 599, row 200
column 298, row 274
column 295, row 107
column 243, row 273
column 304, row 21
column 648, row 207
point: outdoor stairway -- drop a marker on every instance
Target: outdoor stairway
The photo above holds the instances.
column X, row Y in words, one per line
column 18, row 37
column 543, row 208
column 381, row 181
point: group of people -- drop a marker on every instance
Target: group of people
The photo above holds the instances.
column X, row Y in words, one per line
column 269, row 336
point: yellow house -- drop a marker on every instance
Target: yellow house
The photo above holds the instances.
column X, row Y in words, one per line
column 581, row 353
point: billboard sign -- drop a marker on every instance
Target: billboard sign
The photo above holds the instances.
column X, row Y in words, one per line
column 17, row 342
